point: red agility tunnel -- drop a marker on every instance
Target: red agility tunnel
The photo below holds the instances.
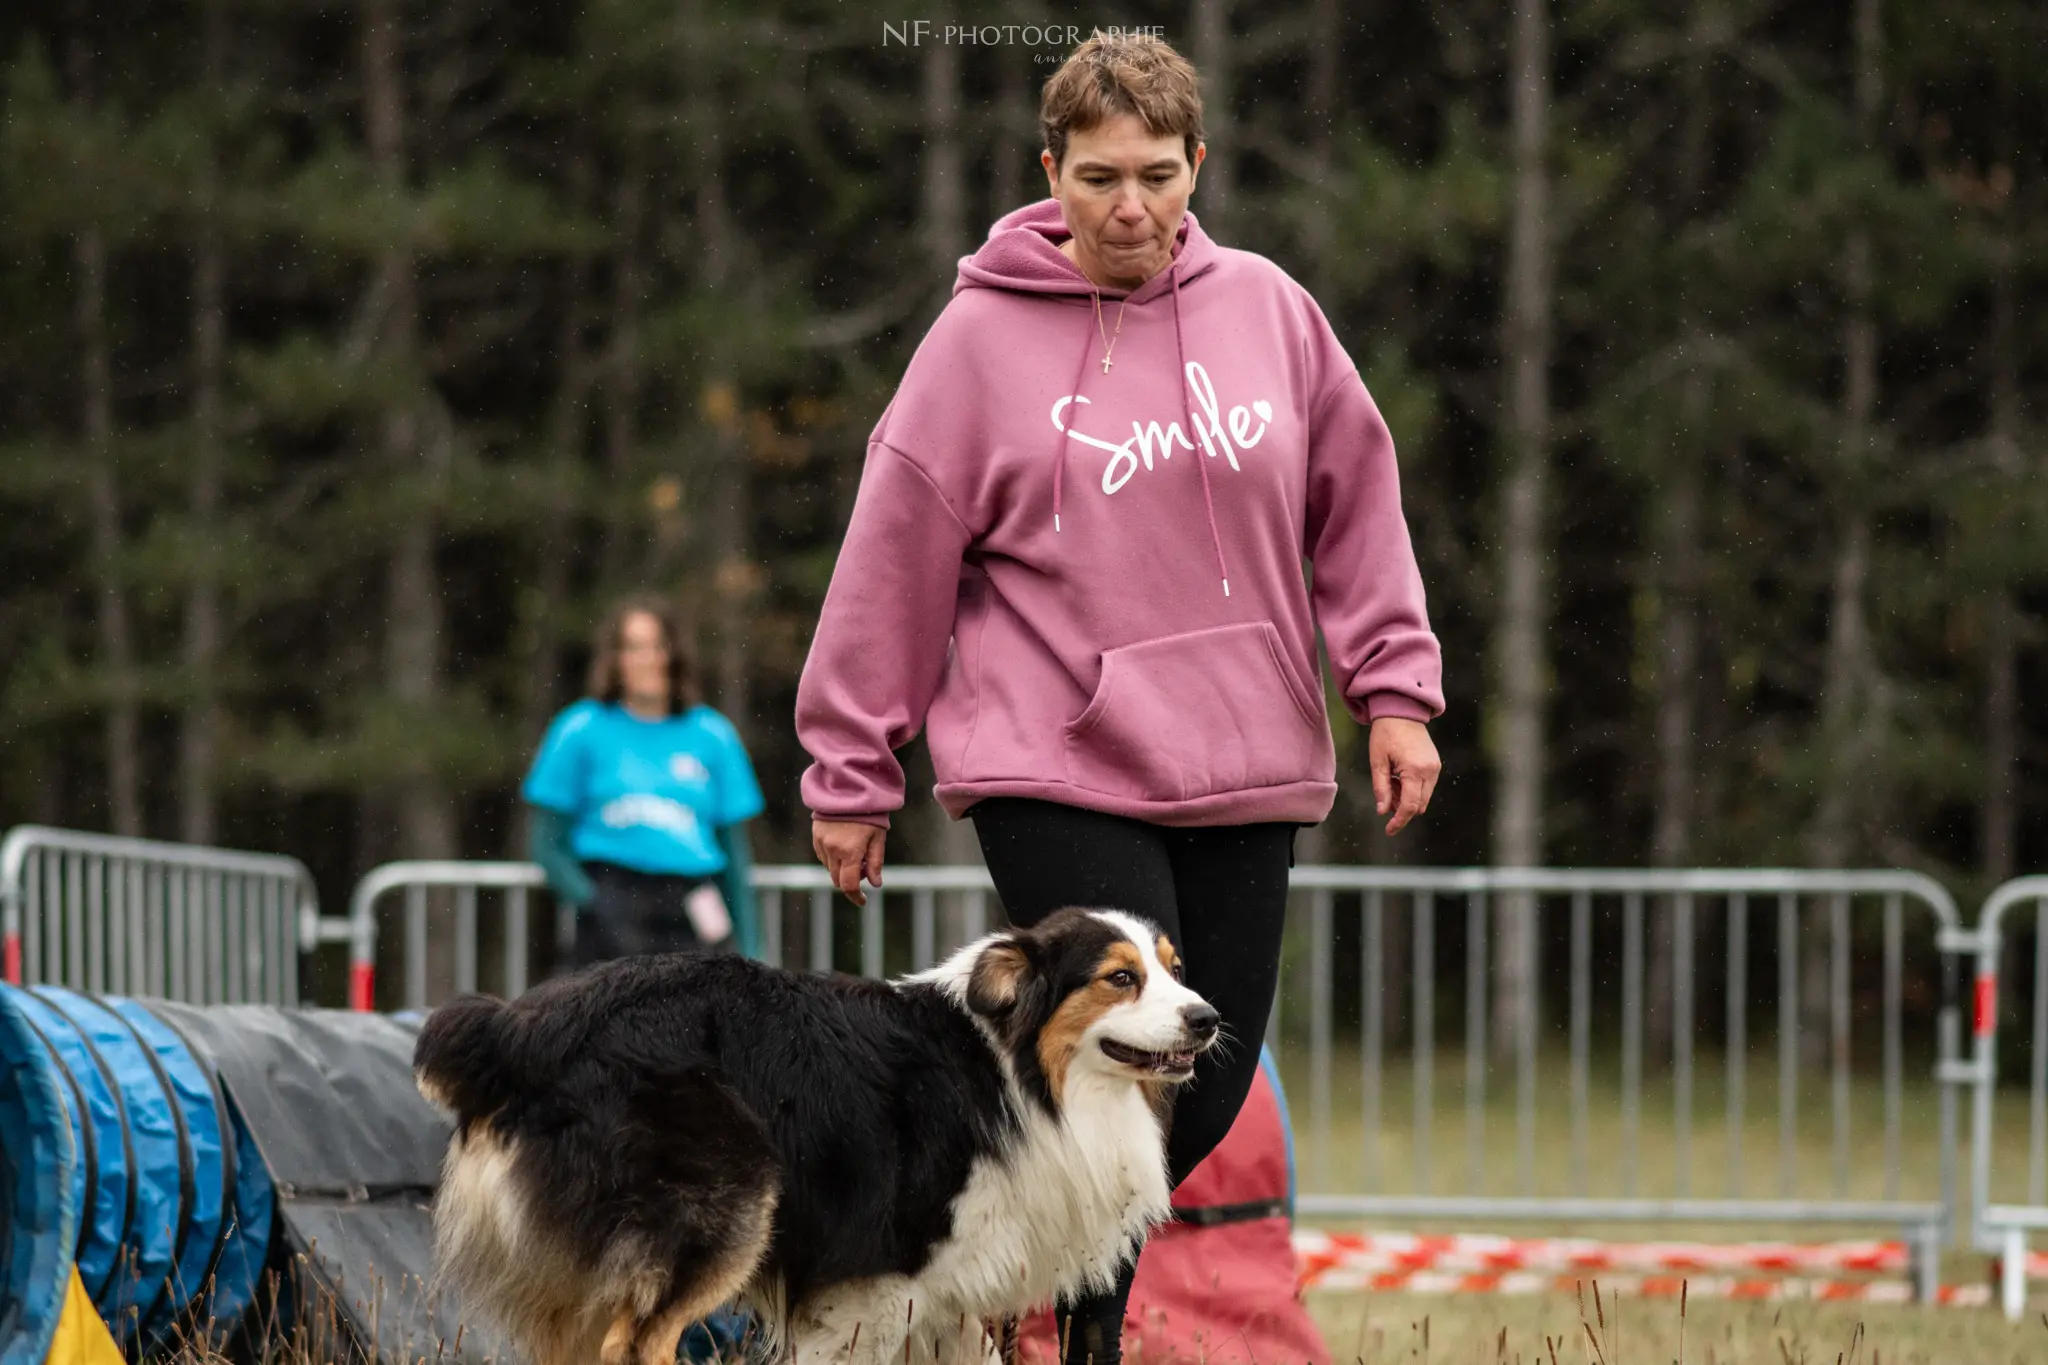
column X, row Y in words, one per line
column 1218, row 1285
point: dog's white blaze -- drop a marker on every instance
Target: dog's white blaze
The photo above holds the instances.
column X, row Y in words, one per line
column 1154, row 1021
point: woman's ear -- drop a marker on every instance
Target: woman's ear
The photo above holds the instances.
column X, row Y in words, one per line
column 997, row 981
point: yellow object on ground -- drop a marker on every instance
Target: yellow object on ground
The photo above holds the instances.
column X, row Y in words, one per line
column 82, row 1338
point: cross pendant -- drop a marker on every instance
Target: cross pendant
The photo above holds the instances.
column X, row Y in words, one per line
column 1105, row 364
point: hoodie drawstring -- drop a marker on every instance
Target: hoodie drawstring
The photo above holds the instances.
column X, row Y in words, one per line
column 1197, row 440
column 1201, row 442
column 1059, row 456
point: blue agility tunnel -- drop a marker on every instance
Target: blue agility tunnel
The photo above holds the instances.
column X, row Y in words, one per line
column 122, row 1154
column 174, row 1157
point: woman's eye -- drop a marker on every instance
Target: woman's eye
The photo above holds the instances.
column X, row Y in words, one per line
column 1123, row 980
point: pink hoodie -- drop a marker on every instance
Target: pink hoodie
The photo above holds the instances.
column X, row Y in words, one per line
column 1035, row 572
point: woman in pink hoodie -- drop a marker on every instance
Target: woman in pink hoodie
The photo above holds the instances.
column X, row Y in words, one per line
column 1126, row 478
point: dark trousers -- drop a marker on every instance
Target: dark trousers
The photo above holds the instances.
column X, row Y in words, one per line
column 633, row 912
column 1220, row 893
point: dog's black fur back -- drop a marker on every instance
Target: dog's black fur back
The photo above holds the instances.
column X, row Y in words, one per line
column 472, row 1050
column 655, row 1095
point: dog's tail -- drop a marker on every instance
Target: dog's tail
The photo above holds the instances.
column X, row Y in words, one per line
column 471, row 1056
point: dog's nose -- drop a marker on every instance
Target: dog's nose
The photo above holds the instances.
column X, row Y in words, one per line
column 1201, row 1020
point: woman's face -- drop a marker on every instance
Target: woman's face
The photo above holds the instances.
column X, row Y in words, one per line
column 643, row 659
column 1123, row 192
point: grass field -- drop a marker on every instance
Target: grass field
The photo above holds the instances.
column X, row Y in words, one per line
column 1403, row 1329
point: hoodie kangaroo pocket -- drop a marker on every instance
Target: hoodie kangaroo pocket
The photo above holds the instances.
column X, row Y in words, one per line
column 1191, row 715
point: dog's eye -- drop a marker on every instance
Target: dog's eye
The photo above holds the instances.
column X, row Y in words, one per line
column 1123, row 978
column 1176, row 969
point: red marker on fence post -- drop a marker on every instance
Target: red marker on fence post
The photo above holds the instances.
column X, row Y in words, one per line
column 362, row 986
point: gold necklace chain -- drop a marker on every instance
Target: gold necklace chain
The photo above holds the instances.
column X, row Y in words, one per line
column 1108, row 341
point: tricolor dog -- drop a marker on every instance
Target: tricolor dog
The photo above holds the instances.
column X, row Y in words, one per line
column 875, row 1169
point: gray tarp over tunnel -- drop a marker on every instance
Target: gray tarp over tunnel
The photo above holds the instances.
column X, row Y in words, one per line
column 355, row 1154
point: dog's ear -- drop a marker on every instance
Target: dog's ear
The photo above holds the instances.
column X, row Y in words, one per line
column 997, row 981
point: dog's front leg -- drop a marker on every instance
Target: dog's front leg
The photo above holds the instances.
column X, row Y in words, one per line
column 963, row 1340
column 860, row 1322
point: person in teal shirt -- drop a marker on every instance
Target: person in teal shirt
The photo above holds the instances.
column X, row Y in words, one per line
column 639, row 801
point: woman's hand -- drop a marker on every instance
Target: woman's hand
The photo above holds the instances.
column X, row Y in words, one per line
column 849, row 850
column 1404, row 769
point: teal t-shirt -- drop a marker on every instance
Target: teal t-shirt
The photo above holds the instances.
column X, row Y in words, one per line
column 645, row 794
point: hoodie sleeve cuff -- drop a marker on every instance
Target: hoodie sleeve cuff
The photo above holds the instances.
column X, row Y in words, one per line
column 880, row 820
column 1399, row 705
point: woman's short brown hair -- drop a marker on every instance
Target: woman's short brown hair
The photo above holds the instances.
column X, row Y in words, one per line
column 606, row 685
column 1122, row 73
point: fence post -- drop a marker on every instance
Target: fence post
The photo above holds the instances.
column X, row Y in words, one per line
column 360, row 928
column 1947, row 1045
column 1984, row 1032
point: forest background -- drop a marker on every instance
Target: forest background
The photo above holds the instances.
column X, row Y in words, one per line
column 356, row 354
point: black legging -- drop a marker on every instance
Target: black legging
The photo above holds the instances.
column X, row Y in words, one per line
column 1220, row 893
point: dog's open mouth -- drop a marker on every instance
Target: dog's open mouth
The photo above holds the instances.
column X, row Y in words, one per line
column 1170, row 1064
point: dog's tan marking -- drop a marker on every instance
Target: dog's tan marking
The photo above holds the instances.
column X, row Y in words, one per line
column 650, row 1337
column 1122, row 956
column 992, row 986
column 431, row 1093
column 618, row 1340
column 658, row 1339
column 1168, row 958
column 1061, row 1037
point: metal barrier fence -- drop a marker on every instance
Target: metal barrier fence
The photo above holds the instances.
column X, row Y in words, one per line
column 2004, row 1227
column 1559, row 1171
column 1375, row 953
column 463, row 881
column 1587, row 1030
column 962, row 894
column 98, row 912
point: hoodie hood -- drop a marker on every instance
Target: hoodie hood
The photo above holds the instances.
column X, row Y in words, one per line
column 1023, row 253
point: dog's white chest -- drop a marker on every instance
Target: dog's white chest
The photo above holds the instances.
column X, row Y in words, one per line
column 1061, row 1212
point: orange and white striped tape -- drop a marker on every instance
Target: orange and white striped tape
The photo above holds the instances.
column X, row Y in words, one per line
column 1478, row 1263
